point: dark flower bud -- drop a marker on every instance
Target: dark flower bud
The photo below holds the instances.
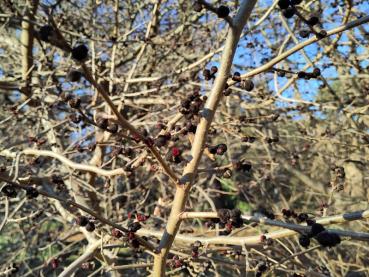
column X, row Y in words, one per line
column 212, row 149
column 222, row 11
column 295, row 2
column 75, row 103
column 224, row 215
column 304, row 241
column 289, row 12
column 9, row 191
column 80, row 52
column 304, row 33
column 236, row 77
column 116, row 233
column 31, row 192
column 186, row 103
column 214, row 69
column 313, row 21
column 197, row 7
column 74, row 75
column 302, row 217
column 102, row 123
column 316, row 228
column 75, row 118
column 261, row 267
column 227, row 92
column 82, row 221
column 328, row 239
column 161, row 141
column 301, row 74
column 134, row 227
column 90, row 226
column 135, row 243
column 207, row 74
column 46, row 32
column 64, row 96
column 283, row 4
column 322, row 34
column 221, row 149
column 191, row 128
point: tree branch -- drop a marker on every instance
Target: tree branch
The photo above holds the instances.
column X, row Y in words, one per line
column 187, row 178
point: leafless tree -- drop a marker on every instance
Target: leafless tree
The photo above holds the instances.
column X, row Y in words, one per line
column 184, row 138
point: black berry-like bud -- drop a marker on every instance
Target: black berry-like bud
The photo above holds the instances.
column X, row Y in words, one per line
column 222, row 11
column 235, row 213
column 236, row 218
column 74, row 75
column 9, row 191
column 80, row 52
column 221, row 149
column 316, row 72
column 102, row 123
column 212, row 149
column 304, row 241
column 328, row 239
column 90, row 226
column 236, row 76
column 31, row 192
column 295, row 2
column 245, row 166
column 161, row 141
column 313, row 21
column 191, row 128
column 186, row 103
column 135, row 243
column 224, row 215
column 286, row 213
column 261, row 267
column 214, row 69
column 302, row 217
column 194, row 108
column 134, row 227
column 281, row 73
column 227, row 92
column 310, row 222
column 284, row 4
column 46, row 32
column 82, row 221
column 247, row 85
column 304, row 33
column 322, row 34
column 207, row 74
column 116, row 233
column 197, row 244
column 316, row 228
column 301, row 74
column 75, row 103
column 75, row 118
column 64, row 96
column 289, row 12
column 197, row 7
column 56, row 179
